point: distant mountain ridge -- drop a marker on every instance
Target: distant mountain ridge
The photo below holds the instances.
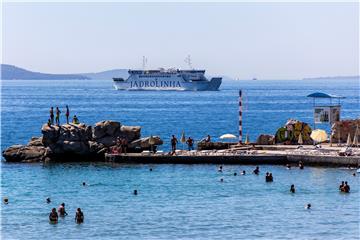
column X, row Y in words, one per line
column 9, row 72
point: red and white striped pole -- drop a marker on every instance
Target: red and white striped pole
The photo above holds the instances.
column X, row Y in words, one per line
column 240, row 116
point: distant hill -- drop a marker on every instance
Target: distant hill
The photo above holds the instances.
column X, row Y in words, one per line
column 334, row 77
column 13, row 72
column 108, row 74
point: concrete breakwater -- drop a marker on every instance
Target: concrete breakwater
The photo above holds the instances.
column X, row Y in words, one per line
column 78, row 142
column 258, row 158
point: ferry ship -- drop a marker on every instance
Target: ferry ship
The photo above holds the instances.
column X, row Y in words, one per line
column 172, row 79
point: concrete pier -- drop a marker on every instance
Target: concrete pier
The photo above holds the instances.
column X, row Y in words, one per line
column 255, row 159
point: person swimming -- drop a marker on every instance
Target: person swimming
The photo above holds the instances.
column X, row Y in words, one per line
column 301, row 165
column 243, row 172
column 220, row 169
column 235, row 173
column 354, row 174
column 271, row 179
column 62, row 211
column 6, row 200
column 84, row 183
column 345, row 188
column 53, row 216
column 308, row 206
column 150, row 169
column 256, row 170
column 79, row 216
column 292, row 188
column 221, row 179
column 135, row 192
column 341, row 185
column 48, row 200
column 267, row 177
column 288, row 166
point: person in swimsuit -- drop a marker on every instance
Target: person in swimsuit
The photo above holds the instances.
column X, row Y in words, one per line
column 53, row 217
column 57, row 118
column 174, row 141
column 79, row 216
column 190, row 143
column 52, row 115
column 292, row 188
column 341, row 185
column 67, row 114
column 62, row 211
column 256, row 170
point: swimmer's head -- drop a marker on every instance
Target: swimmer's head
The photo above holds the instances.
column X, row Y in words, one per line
column 84, row 183
column 6, row 200
column 53, row 210
column 235, row 174
column 63, row 204
column 79, row 210
column 135, row 192
column 48, row 200
column 150, row 169
column 308, row 206
column 221, row 179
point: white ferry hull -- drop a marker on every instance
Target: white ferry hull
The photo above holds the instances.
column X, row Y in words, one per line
column 159, row 81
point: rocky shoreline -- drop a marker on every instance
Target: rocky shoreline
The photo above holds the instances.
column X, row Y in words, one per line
column 78, row 142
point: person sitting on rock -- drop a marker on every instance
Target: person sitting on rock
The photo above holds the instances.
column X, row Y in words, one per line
column 62, row 211
column 208, row 138
column 53, row 216
column 75, row 120
column 49, row 122
column 79, row 216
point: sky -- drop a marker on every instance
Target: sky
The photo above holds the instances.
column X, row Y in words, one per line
column 240, row 40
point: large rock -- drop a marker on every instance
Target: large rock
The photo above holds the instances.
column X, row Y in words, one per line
column 36, row 141
column 144, row 143
column 265, row 139
column 50, row 133
column 341, row 129
column 104, row 128
column 21, row 153
column 131, row 133
column 80, row 148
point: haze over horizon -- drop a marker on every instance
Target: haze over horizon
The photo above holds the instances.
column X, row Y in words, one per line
column 241, row 40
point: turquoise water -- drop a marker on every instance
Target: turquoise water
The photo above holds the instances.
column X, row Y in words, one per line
column 174, row 201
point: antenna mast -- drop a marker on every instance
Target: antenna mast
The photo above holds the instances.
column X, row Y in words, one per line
column 144, row 62
column 188, row 61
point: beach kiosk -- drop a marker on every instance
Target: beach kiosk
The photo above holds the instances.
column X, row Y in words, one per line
column 328, row 113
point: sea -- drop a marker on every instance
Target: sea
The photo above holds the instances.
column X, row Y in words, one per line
column 175, row 201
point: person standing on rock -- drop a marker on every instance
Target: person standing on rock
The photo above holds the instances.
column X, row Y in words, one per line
column 124, row 145
column 190, row 143
column 174, row 141
column 57, row 119
column 67, row 114
column 52, row 115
